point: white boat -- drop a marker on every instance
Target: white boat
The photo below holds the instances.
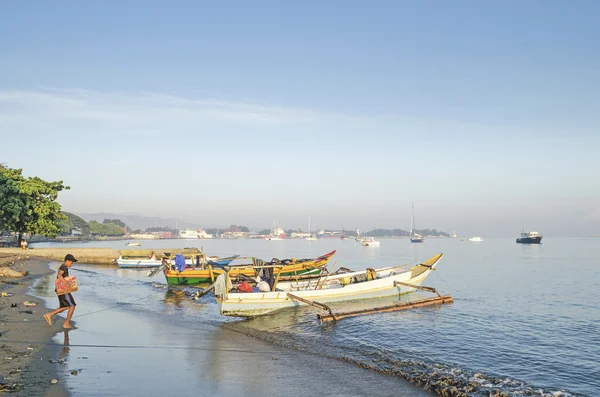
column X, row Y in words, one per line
column 414, row 236
column 194, row 234
column 153, row 261
column 134, row 244
column 336, row 288
column 369, row 242
column 476, row 239
column 276, row 234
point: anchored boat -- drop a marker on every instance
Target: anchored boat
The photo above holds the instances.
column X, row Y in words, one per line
column 530, row 238
column 371, row 283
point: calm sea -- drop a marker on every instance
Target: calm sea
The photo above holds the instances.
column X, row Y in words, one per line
column 525, row 319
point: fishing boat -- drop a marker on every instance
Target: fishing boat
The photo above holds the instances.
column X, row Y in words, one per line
column 414, row 236
column 369, row 242
column 371, row 283
column 208, row 273
column 138, row 262
column 530, row 238
column 140, row 258
column 476, row 239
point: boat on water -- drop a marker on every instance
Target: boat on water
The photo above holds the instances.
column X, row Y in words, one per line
column 369, row 242
column 141, row 258
column 276, row 234
column 133, row 244
column 208, row 273
column 194, row 234
column 414, row 236
column 530, row 238
column 371, row 283
column 128, row 262
column 476, row 239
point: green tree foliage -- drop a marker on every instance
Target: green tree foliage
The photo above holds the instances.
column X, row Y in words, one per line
column 73, row 221
column 105, row 229
column 117, row 222
column 28, row 205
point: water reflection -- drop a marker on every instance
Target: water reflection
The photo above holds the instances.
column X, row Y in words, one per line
column 64, row 352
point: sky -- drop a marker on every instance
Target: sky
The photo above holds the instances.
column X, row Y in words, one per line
column 485, row 114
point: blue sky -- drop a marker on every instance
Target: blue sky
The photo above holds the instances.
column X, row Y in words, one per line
column 483, row 113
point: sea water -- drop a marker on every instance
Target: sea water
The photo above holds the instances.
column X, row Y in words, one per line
column 525, row 318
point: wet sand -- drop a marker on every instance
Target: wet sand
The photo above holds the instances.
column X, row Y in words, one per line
column 25, row 338
column 131, row 350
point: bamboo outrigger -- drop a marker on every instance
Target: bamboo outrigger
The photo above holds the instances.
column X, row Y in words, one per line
column 437, row 300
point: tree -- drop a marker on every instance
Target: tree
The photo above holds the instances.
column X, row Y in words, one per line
column 105, row 229
column 73, row 221
column 28, row 205
column 116, row 222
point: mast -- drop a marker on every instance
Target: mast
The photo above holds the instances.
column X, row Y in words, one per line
column 412, row 221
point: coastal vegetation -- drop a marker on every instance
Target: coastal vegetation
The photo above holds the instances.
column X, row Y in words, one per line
column 28, row 204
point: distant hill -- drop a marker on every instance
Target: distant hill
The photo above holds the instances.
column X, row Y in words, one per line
column 135, row 221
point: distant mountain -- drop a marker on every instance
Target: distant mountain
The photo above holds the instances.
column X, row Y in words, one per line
column 136, row 221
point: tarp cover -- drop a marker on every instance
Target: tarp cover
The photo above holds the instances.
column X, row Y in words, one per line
column 180, row 262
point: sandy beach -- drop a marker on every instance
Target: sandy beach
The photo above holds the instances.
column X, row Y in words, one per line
column 25, row 338
column 161, row 357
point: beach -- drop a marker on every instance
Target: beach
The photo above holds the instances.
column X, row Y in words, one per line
column 163, row 355
column 25, row 364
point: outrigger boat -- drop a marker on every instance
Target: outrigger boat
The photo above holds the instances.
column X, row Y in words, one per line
column 371, row 283
column 209, row 272
column 139, row 258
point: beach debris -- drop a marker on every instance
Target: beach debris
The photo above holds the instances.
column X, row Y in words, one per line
column 54, row 381
column 10, row 388
column 27, row 303
column 13, row 305
column 2, row 380
column 6, row 294
column 26, row 311
column 74, row 372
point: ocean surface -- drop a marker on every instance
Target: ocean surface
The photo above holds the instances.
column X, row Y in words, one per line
column 525, row 318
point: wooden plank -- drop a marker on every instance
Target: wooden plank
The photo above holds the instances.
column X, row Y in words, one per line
column 438, row 300
column 423, row 288
column 313, row 303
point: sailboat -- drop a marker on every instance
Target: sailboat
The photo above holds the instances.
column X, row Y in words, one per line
column 311, row 236
column 414, row 236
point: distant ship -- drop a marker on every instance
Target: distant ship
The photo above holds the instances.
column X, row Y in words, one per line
column 530, row 238
column 195, row 234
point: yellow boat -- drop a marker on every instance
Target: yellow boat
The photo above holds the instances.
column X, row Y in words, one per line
column 208, row 273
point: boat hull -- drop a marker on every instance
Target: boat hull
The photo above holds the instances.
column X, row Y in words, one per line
column 529, row 240
column 417, row 240
column 260, row 303
column 195, row 276
column 138, row 263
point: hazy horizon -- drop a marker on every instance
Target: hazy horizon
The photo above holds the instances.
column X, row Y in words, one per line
column 483, row 114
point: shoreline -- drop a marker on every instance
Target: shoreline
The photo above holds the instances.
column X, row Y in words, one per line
column 25, row 337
